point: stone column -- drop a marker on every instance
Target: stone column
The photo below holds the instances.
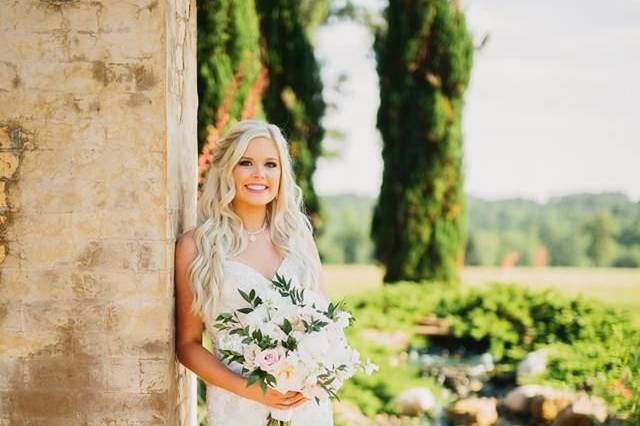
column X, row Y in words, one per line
column 97, row 178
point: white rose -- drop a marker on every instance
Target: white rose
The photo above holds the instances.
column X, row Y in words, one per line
column 315, row 345
column 269, row 359
column 230, row 342
column 256, row 317
column 250, row 353
column 272, row 330
column 290, row 374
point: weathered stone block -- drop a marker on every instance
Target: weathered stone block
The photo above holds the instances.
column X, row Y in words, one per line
column 122, row 374
column 140, row 316
column 81, row 316
column 120, row 194
column 19, row 344
column 48, row 253
column 63, row 374
column 116, row 224
column 71, row 77
column 115, row 164
column 11, row 316
column 108, row 255
column 126, row 17
column 38, row 16
column 11, row 374
column 9, row 79
column 154, row 375
column 83, row 16
column 153, row 345
column 34, row 46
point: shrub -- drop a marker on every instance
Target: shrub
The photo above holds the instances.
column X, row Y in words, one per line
column 512, row 320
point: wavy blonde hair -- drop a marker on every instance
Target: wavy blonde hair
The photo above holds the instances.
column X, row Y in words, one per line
column 219, row 231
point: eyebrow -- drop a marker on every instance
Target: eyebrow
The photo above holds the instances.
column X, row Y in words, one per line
column 249, row 158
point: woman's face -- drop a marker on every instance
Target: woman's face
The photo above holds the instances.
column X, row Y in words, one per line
column 257, row 173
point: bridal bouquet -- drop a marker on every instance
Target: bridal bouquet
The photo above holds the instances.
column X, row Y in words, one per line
column 290, row 339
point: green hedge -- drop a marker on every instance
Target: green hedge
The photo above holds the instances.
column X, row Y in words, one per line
column 592, row 347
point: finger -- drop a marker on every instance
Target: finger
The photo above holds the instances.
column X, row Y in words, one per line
column 299, row 403
column 297, row 398
column 294, row 401
column 291, row 394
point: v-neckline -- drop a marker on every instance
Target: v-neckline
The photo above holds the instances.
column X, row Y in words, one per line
column 258, row 272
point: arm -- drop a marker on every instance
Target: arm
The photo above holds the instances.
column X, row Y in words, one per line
column 189, row 349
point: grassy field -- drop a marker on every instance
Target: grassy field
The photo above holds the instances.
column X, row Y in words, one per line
column 617, row 287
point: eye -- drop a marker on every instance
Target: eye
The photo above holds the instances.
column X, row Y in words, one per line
column 272, row 164
column 244, row 162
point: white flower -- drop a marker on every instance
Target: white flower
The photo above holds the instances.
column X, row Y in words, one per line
column 272, row 330
column 230, row 342
column 314, row 390
column 290, row 374
column 314, row 346
column 251, row 351
column 275, row 303
column 342, row 319
column 269, row 359
column 257, row 317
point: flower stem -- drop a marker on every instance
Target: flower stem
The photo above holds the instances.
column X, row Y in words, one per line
column 273, row 422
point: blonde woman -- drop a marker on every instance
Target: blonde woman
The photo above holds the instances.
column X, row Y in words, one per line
column 251, row 225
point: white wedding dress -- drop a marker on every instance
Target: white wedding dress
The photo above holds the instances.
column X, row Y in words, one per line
column 225, row 408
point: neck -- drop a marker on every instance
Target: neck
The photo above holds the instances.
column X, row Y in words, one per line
column 253, row 217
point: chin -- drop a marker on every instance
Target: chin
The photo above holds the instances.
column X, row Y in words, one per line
column 257, row 202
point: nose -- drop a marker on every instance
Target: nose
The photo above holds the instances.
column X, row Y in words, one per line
column 258, row 171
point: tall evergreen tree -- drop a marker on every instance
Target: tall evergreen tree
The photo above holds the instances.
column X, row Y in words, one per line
column 228, row 62
column 293, row 98
column 424, row 63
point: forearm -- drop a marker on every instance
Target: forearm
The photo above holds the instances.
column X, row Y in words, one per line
column 213, row 371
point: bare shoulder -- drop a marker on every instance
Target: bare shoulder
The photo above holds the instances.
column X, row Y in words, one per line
column 186, row 249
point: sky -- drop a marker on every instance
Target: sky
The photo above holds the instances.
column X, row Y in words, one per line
column 551, row 109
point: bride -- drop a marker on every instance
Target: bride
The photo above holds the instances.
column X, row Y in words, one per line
column 251, row 225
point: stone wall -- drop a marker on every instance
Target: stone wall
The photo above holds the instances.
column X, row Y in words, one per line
column 97, row 177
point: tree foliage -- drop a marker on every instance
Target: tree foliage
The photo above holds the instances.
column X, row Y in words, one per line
column 293, row 99
column 424, row 63
column 228, row 61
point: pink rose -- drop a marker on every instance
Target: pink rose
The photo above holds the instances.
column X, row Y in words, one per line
column 268, row 359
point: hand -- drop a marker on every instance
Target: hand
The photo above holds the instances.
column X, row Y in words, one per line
column 274, row 399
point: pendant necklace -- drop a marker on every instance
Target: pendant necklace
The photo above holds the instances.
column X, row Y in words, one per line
column 252, row 235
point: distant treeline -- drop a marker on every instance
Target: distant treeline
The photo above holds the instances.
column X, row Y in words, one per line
column 572, row 230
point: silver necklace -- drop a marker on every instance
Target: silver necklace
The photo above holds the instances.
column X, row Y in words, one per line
column 252, row 235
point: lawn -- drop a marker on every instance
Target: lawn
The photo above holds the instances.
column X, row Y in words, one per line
column 617, row 287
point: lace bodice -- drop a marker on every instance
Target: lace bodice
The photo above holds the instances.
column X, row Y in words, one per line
column 228, row 409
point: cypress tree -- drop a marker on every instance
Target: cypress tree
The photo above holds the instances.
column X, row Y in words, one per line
column 228, row 63
column 424, row 63
column 293, row 97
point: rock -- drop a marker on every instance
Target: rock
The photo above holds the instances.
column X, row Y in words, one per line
column 545, row 408
column 517, row 400
column 415, row 401
column 543, row 403
column 474, row 411
column 534, row 363
column 585, row 411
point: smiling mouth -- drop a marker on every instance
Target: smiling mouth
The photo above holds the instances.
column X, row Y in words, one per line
column 256, row 188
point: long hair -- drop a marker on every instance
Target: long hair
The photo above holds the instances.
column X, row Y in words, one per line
column 219, row 231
